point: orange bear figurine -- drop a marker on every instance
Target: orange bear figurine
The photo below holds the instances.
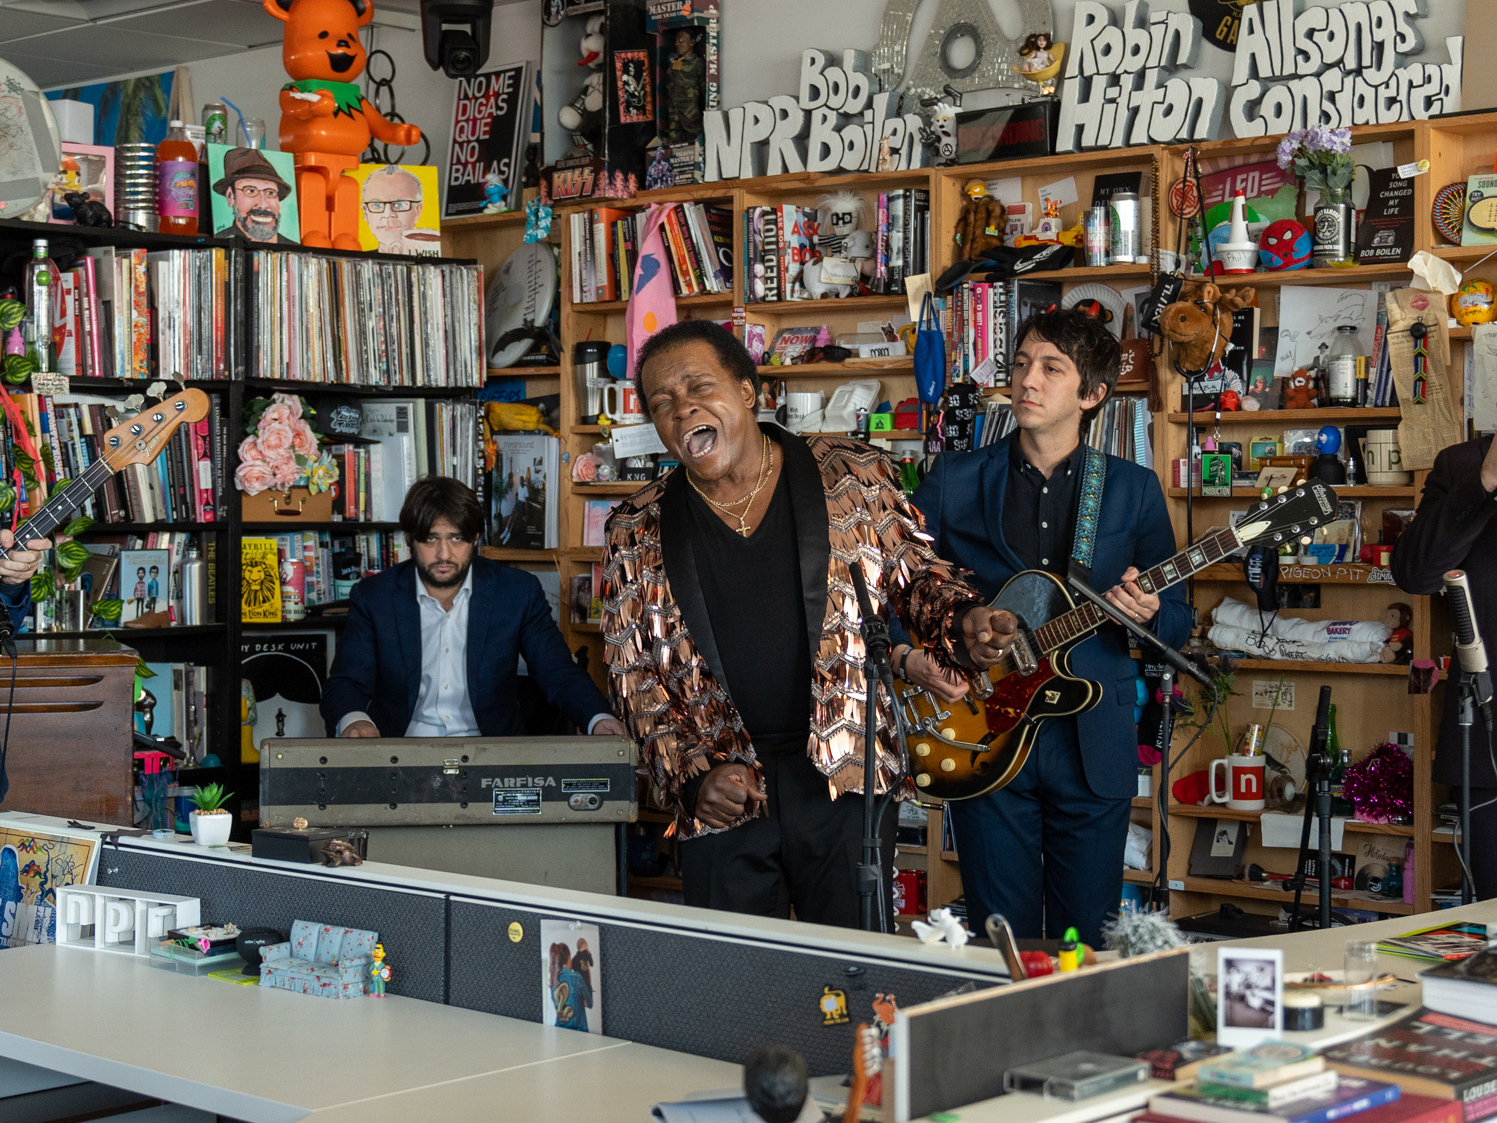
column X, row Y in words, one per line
column 325, row 119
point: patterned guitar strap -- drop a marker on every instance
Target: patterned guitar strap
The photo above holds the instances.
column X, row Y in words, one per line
column 1088, row 506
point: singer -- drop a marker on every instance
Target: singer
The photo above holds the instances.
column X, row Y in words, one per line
column 1047, row 851
column 733, row 645
column 1454, row 529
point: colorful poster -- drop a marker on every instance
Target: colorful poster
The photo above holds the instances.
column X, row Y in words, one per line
column 33, row 865
column 398, row 209
column 489, row 119
column 129, row 111
column 254, row 194
column 286, row 674
column 259, row 581
column 571, row 976
column 87, row 169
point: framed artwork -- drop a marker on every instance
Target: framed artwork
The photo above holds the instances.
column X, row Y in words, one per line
column 399, row 209
column 254, row 194
column 87, row 169
column 145, row 583
column 632, row 86
column 33, row 865
column 1249, row 995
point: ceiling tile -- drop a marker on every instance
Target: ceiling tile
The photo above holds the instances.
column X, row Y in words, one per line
column 109, row 44
column 17, row 24
column 50, row 73
column 233, row 23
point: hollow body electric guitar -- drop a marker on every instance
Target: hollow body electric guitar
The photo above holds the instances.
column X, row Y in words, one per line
column 980, row 743
column 136, row 440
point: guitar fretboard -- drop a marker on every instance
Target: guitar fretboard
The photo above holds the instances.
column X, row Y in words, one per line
column 1086, row 618
column 60, row 506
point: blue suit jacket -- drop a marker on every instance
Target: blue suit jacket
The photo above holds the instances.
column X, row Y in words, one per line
column 378, row 668
column 16, row 599
column 962, row 501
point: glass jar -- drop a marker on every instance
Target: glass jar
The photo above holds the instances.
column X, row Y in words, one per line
column 1335, row 230
column 1341, row 366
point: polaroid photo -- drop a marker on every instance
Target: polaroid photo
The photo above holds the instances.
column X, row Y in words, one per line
column 1249, row 995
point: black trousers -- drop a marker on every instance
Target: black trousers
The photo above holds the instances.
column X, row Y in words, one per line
column 802, row 852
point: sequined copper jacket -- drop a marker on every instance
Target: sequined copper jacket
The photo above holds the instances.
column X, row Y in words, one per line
column 664, row 676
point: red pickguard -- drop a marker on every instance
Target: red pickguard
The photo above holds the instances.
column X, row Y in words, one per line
column 1011, row 697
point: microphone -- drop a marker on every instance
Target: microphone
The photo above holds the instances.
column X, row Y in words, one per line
column 1468, row 644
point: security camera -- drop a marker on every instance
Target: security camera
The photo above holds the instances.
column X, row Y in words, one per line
column 455, row 34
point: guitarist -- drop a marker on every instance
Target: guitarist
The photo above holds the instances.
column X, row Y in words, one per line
column 1047, row 850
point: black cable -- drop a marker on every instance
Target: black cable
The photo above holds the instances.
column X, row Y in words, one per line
column 1162, row 877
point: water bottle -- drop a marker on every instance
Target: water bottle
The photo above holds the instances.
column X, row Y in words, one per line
column 194, row 587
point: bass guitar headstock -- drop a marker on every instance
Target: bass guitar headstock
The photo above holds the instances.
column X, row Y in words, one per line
column 140, row 439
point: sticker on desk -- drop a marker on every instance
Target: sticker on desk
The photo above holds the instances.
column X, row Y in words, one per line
column 584, row 785
column 571, row 976
column 517, row 801
column 833, row 1006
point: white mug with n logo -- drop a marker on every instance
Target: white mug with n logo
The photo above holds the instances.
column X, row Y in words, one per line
column 1244, row 782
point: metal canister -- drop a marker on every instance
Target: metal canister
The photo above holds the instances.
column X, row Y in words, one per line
column 216, row 122
column 194, row 587
column 1125, row 234
column 1098, row 237
column 589, row 362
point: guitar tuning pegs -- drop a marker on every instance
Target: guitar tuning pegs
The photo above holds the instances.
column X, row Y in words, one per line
column 1281, row 491
column 1305, row 540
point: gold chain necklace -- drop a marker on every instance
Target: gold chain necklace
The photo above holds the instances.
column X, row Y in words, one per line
column 764, row 466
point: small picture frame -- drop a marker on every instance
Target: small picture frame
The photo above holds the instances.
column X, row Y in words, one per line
column 1249, row 995
column 1276, row 477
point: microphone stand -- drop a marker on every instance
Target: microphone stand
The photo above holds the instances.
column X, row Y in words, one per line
column 1466, row 717
column 876, row 660
column 1317, row 804
column 1173, row 662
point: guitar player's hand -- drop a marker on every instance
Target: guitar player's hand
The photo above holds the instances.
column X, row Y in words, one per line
column 923, row 671
column 989, row 633
column 21, row 565
column 1136, row 603
column 728, row 792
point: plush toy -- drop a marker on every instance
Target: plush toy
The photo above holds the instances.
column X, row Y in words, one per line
column 846, row 251
column 1285, row 245
column 979, row 226
column 1299, row 391
column 325, row 118
column 1200, row 328
column 584, row 117
column 941, row 135
column 1400, row 645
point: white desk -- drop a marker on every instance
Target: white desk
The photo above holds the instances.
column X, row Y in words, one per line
column 1302, row 951
column 271, row 1056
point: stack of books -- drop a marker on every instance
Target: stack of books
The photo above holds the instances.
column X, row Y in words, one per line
column 1279, row 1081
column 605, row 249
column 1442, row 943
column 978, row 320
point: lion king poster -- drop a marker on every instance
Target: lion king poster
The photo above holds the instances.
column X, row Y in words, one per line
column 399, row 209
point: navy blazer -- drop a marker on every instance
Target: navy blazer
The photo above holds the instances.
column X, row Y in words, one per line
column 378, row 668
column 962, row 501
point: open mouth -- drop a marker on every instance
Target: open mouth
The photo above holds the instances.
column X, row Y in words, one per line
column 700, row 442
column 340, row 63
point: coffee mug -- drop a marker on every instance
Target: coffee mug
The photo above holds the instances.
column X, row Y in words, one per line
column 621, row 402
column 1244, row 782
column 803, row 410
column 1384, row 461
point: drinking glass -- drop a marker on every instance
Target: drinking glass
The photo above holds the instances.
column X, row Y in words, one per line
column 1361, row 973
column 252, row 132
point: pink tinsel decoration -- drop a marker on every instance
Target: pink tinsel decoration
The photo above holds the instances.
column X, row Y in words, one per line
column 1381, row 786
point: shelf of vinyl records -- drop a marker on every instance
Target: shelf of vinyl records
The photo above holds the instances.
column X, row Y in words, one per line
column 135, row 309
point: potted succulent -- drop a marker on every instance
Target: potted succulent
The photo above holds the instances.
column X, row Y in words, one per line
column 211, row 822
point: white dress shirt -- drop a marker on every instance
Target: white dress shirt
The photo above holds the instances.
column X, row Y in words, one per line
column 443, row 706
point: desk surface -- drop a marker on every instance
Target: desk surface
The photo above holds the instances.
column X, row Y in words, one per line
column 270, row 1056
column 1302, row 951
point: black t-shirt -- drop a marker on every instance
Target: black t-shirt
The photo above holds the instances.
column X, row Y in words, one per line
column 752, row 589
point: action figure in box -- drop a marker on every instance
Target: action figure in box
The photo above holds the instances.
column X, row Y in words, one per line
column 685, row 83
column 584, row 116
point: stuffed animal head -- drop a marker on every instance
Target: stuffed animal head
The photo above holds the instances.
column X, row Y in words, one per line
column 591, row 44
column 322, row 37
column 1299, row 391
column 1201, row 327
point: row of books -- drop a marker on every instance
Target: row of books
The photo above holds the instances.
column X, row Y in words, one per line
column 1122, row 428
column 142, row 570
column 605, row 243
column 586, row 605
column 979, row 320
column 287, row 573
column 183, row 484
column 780, row 241
column 364, row 323
column 130, row 313
column 400, row 442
